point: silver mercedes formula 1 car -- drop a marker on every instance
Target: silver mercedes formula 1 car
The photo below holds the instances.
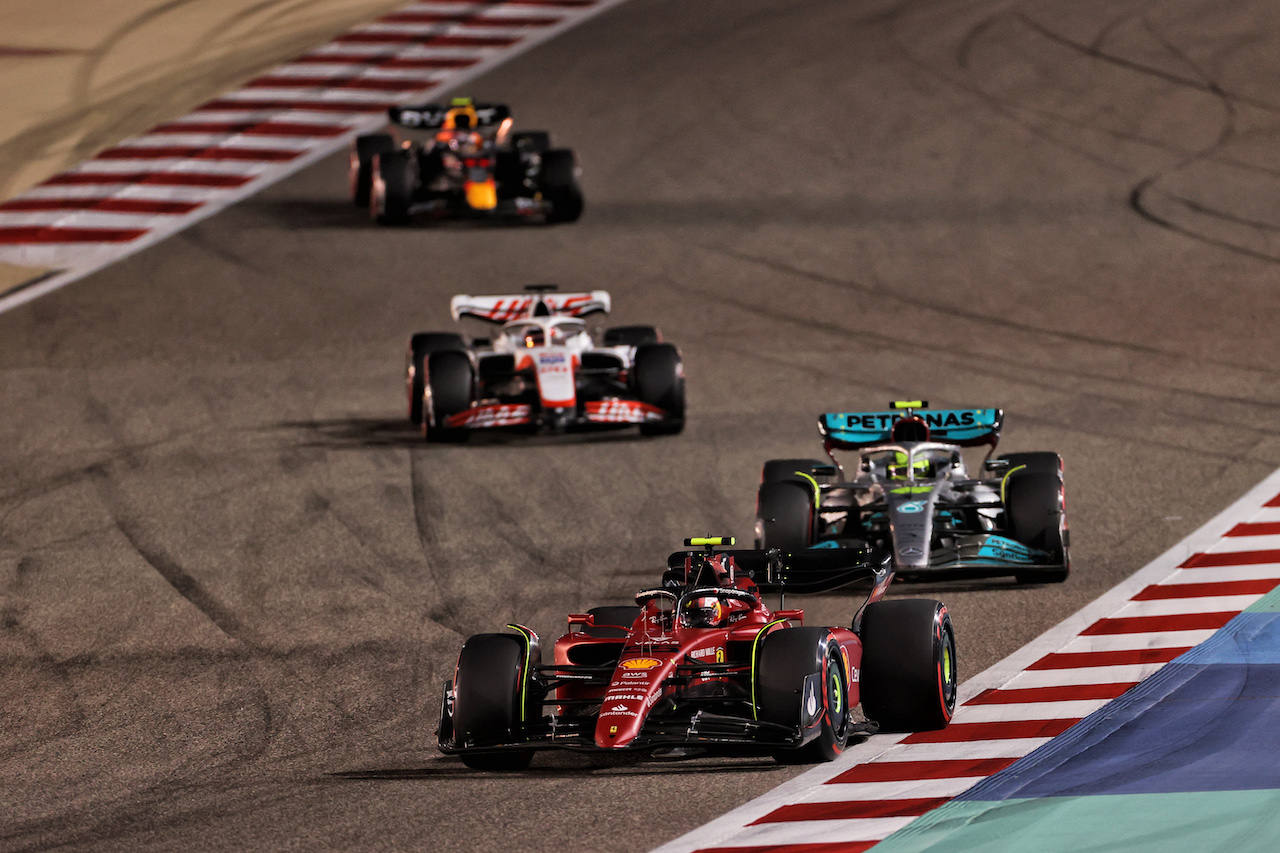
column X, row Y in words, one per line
column 543, row 369
column 910, row 492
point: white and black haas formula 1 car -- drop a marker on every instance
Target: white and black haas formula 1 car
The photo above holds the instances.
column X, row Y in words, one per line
column 472, row 164
column 543, row 369
column 702, row 665
column 912, row 494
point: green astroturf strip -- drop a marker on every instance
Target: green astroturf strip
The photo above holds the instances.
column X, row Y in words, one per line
column 1202, row 822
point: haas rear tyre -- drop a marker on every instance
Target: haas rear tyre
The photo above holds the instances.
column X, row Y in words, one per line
column 360, row 164
column 784, row 516
column 487, row 701
column 658, row 378
column 908, row 678
column 449, row 383
column 800, row 681
column 558, row 180
column 631, row 336
column 394, row 177
column 611, row 621
column 1035, row 516
column 422, row 345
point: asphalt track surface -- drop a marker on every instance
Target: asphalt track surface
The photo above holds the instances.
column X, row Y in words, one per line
column 233, row 579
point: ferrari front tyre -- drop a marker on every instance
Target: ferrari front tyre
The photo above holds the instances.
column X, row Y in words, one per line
column 449, row 389
column 784, row 515
column 394, row 177
column 558, row 181
column 1035, row 516
column 489, row 695
column 422, row 345
column 799, row 671
column 657, row 375
column 908, row 681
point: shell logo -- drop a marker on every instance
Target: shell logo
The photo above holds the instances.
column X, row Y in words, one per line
column 640, row 663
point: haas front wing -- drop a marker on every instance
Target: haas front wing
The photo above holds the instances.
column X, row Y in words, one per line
column 554, row 389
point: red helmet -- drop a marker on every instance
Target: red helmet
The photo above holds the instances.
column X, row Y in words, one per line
column 703, row 611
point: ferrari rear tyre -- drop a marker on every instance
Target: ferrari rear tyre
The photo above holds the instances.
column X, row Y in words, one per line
column 360, row 164
column 784, row 515
column 422, row 345
column 487, row 701
column 657, row 374
column 908, row 681
column 611, row 621
column 631, row 336
column 558, row 180
column 394, row 177
column 797, row 666
column 450, row 384
column 1035, row 516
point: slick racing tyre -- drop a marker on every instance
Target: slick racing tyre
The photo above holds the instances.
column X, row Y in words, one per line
column 1035, row 516
column 360, row 164
column 611, row 621
column 558, row 180
column 908, row 677
column 422, row 345
column 657, row 374
column 797, row 471
column 784, row 515
column 796, row 667
column 450, row 384
column 631, row 336
column 487, row 700
column 531, row 141
column 1037, row 462
column 394, row 177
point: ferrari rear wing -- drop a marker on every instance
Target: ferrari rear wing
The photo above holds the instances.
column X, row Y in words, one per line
column 519, row 306
column 802, row 572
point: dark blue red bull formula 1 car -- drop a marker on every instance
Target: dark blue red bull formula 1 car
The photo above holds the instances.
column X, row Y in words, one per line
column 701, row 664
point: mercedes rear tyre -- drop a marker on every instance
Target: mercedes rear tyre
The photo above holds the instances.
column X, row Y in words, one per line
column 360, row 164
column 657, row 375
column 908, row 681
column 1036, row 462
column 558, row 180
column 785, row 516
column 420, row 346
column 800, row 679
column 449, row 389
column 489, row 693
column 1035, row 516
column 394, row 177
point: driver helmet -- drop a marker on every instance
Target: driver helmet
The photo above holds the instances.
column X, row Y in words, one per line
column 897, row 470
column 704, row 611
column 533, row 337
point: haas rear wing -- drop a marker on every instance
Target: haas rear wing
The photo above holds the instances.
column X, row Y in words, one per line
column 963, row 427
column 431, row 116
column 504, row 309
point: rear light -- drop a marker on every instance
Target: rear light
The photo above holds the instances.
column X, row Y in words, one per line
column 476, row 162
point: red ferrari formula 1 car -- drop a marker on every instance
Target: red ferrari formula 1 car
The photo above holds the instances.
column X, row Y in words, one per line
column 701, row 664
